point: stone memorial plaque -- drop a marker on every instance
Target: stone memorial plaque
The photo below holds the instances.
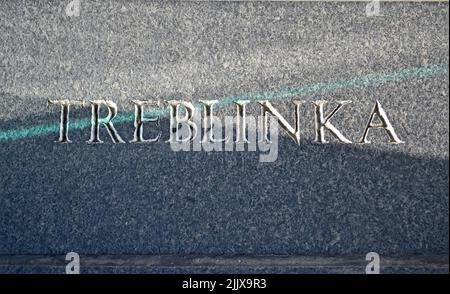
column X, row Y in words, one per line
column 224, row 137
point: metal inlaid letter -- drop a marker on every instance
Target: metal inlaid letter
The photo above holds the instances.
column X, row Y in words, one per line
column 175, row 120
column 64, row 122
column 294, row 133
column 384, row 124
column 208, row 122
column 95, row 121
column 241, row 124
column 139, row 121
column 323, row 122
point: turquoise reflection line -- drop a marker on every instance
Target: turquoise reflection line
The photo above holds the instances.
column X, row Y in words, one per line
column 357, row 82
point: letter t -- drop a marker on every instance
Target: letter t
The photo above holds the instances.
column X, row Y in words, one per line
column 64, row 123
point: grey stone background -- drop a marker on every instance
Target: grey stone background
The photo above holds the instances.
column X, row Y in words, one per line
column 315, row 200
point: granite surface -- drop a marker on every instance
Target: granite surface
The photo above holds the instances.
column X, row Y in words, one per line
column 314, row 200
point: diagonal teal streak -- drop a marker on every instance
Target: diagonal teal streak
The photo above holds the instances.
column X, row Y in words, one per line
column 357, row 82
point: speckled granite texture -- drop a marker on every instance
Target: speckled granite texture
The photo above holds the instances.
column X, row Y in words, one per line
column 324, row 200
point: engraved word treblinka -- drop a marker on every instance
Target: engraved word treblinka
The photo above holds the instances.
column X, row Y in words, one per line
column 322, row 120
